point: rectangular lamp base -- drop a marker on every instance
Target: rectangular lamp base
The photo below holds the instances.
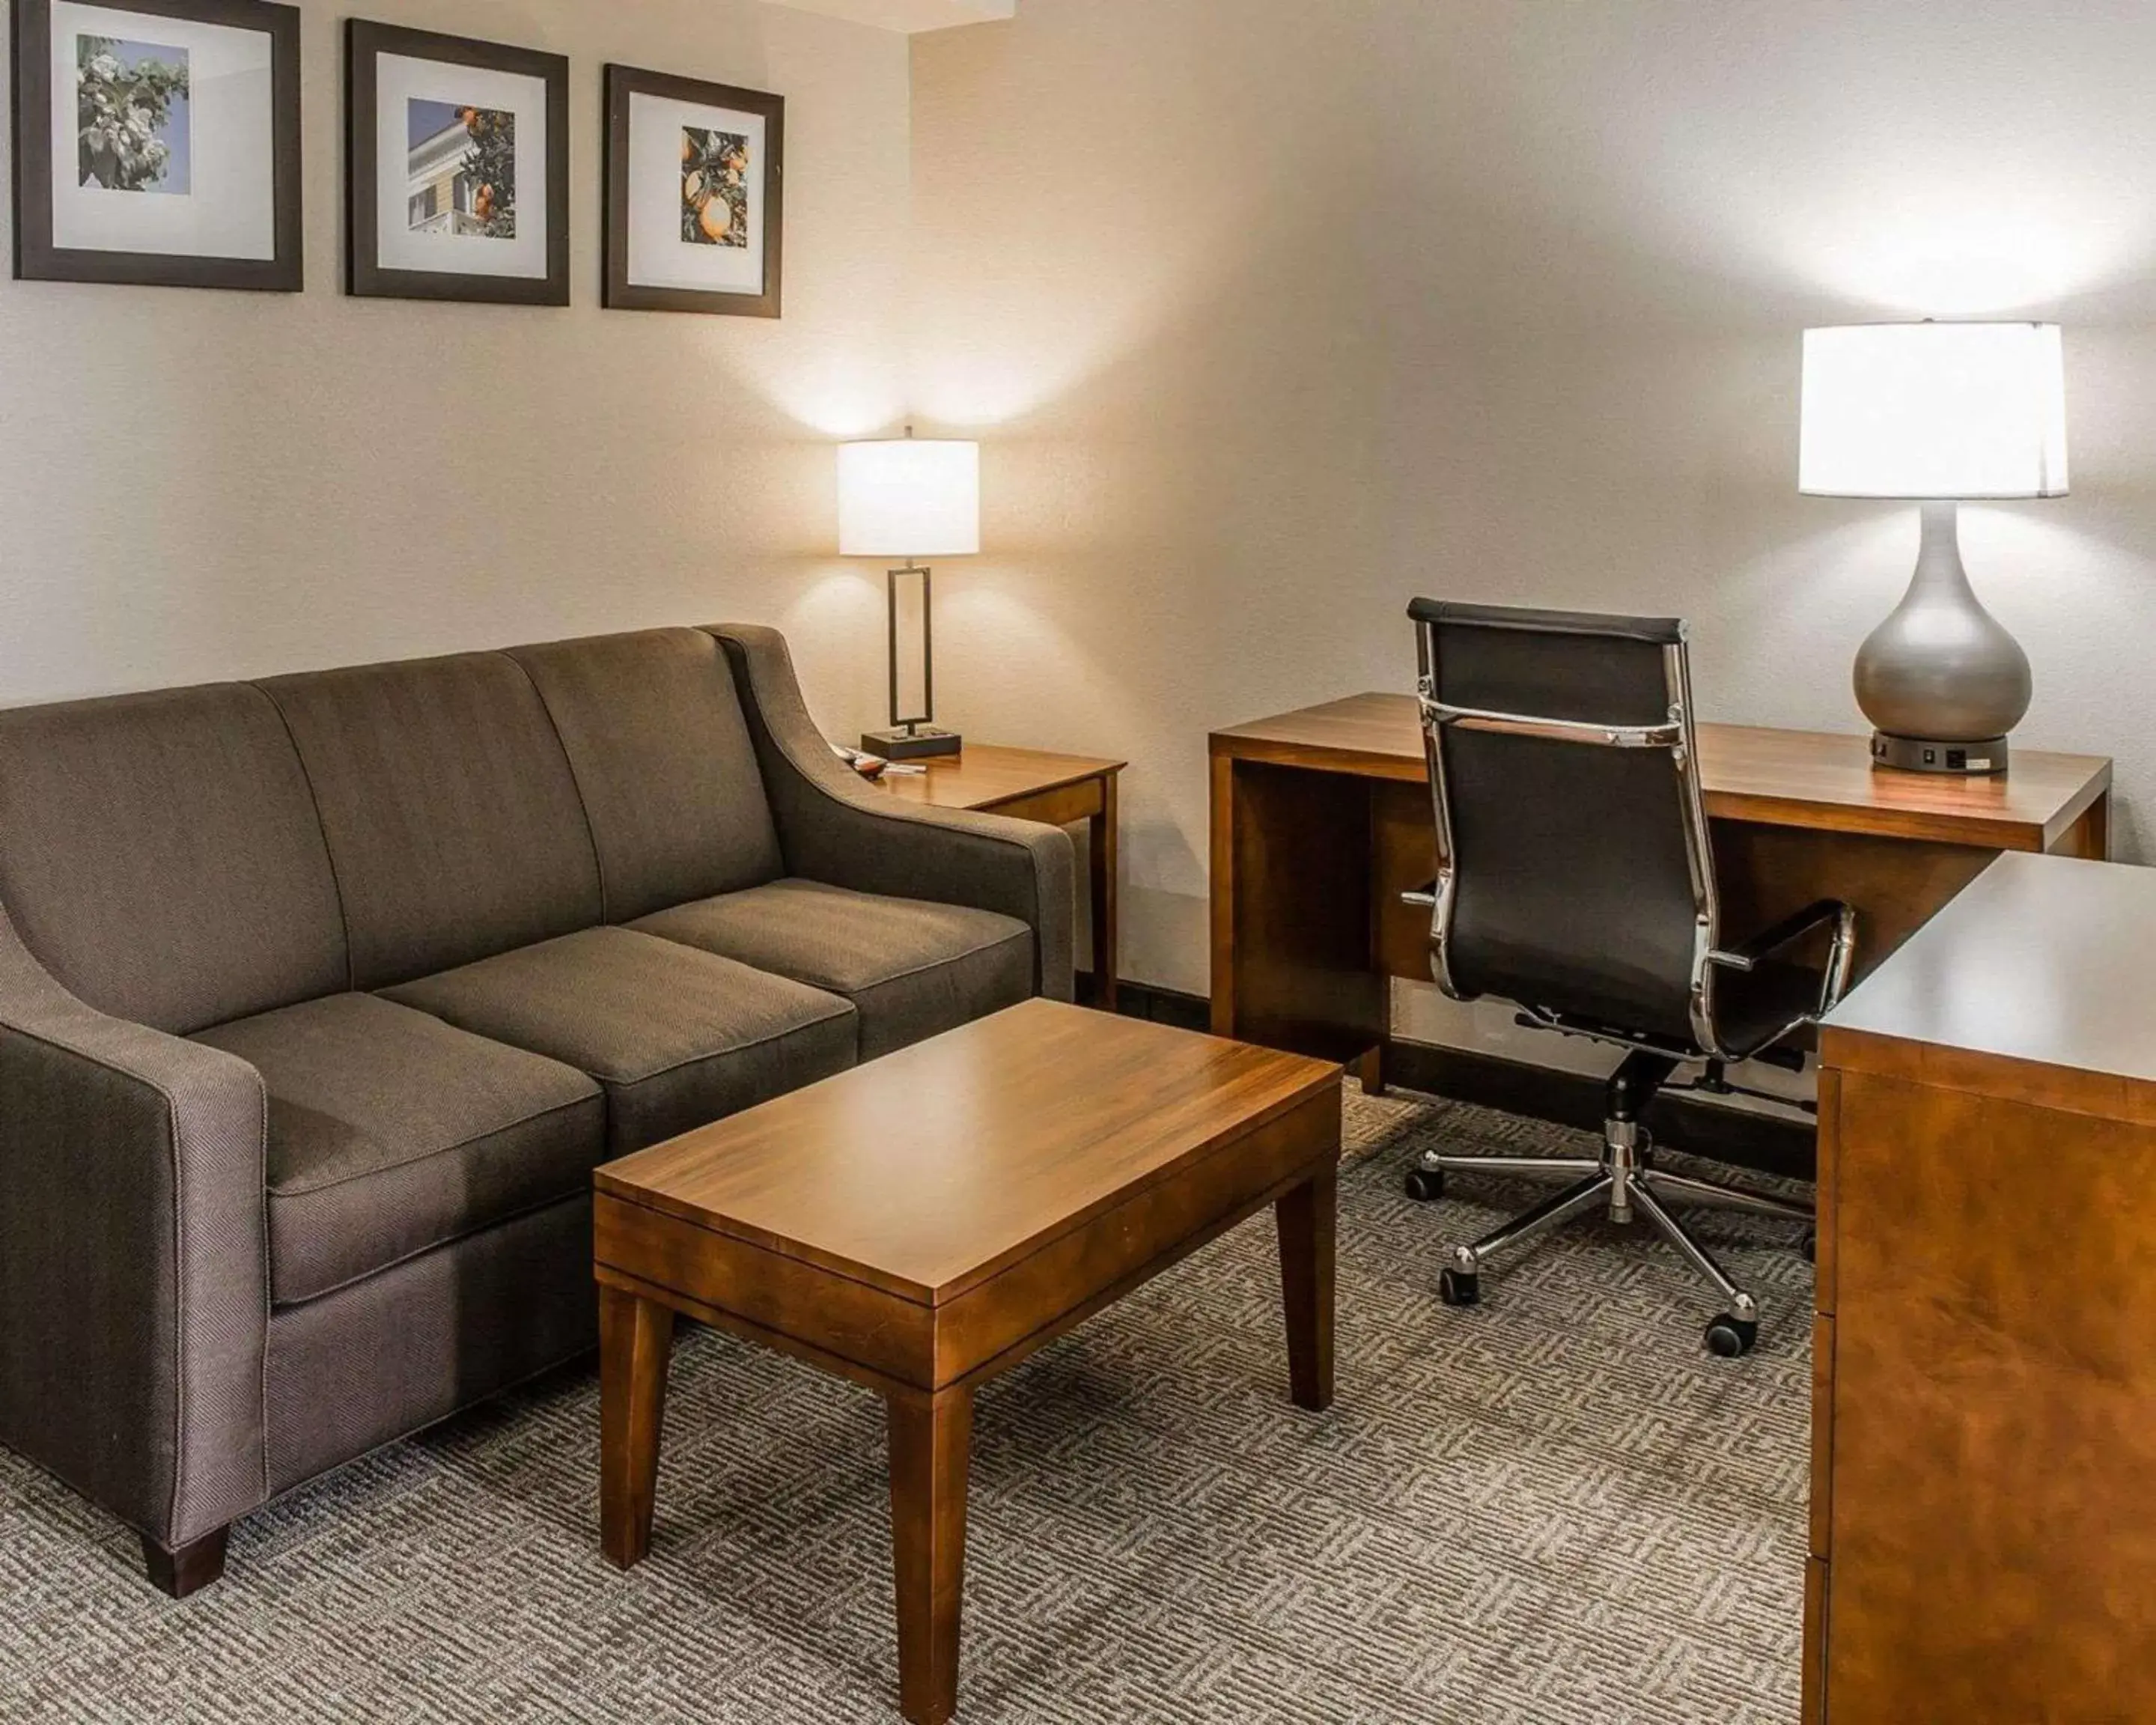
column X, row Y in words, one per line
column 1922, row 754
column 920, row 743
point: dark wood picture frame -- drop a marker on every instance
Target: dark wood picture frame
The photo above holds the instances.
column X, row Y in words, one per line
column 37, row 259
column 620, row 294
column 365, row 275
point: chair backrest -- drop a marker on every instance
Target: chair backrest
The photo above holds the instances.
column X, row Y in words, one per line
column 1574, row 873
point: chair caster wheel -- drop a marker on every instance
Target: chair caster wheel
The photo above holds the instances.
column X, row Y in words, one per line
column 1810, row 1247
column 1425, row 1185
column 1457, row 1287
column 1730, row 1337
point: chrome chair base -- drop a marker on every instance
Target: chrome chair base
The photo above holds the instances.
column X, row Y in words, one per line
column 1624, row 1181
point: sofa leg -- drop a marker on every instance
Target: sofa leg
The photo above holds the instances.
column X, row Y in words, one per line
column 180, row 1573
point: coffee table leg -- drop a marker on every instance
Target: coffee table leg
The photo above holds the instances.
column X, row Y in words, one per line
column 636, row 1338
column 1306, row 1218
column 931, row 1437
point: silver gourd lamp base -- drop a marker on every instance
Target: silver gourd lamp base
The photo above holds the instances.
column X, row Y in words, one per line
column 1941, row 680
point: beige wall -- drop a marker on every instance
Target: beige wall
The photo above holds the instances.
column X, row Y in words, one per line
column 201, row 485
column 1272, row 315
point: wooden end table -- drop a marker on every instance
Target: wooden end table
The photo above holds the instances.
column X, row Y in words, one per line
column 922, row 1223
column 1031, row 784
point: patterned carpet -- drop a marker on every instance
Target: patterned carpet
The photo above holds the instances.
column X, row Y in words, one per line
column 1554, row 1508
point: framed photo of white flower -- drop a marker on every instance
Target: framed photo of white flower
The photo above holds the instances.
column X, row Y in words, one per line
column 458, row 157
column 695, row 195
column 157, row 143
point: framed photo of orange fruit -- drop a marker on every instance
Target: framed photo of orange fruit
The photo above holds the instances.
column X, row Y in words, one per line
column 157, row 142
column 458, row 161
column 695, row 195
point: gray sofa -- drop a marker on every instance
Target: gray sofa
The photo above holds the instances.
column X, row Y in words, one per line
column 321, row 998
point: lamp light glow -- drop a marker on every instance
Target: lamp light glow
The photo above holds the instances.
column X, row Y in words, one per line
column 1937, row 413
column 910, row 497
column 1933, row 410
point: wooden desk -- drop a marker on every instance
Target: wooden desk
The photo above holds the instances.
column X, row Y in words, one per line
column 1321, row 819
column 1984, row 1461
column 1031, row 784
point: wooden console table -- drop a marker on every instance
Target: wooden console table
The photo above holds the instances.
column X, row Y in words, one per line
column 1031, row 784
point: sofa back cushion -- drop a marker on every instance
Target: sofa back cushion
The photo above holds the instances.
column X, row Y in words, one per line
column 160, row 855
column 653, row 727
column 451, row 818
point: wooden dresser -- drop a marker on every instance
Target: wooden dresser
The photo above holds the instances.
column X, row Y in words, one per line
column 1984, row 1483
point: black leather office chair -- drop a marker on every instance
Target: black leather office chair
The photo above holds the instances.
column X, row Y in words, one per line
column 1576, row 880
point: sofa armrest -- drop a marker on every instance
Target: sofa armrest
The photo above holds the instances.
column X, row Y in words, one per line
column 835, row 827
column 134, row 1259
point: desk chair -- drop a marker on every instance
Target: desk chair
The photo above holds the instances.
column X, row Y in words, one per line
column 1576, row 880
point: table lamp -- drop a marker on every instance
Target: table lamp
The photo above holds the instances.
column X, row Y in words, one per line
column 1937, row 412
column 911, row 498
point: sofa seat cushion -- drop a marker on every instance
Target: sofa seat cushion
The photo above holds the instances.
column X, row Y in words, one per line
column 912, row 969
column 678, row 1037
column 391, row 1133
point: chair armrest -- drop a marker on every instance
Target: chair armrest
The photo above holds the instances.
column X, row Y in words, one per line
column 134, row 1260
column 1746, row 955
column 835, row 827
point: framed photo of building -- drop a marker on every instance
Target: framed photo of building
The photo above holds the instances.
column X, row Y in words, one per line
column 695, row 195
column 458, row 160
column 157, row 142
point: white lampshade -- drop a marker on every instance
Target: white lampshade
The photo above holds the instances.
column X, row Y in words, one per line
column 909, row 497
column 1937, row 410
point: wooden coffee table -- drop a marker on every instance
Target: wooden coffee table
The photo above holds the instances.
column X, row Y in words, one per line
column 921, row 1222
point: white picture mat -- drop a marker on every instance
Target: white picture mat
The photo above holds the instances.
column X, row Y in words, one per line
column 398, row 81
column 231, row 210
column 658, row 256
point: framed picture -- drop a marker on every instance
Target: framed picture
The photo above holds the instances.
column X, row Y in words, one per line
column 158, row 143
column 695, row 195
column 458, row 159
